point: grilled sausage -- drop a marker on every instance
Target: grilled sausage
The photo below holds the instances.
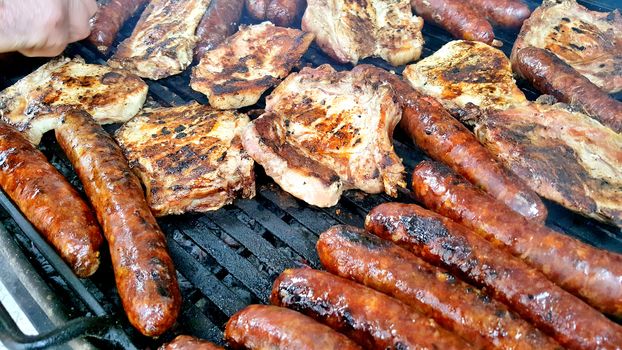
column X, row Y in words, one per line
column 457, row 17
column 504, row 13
column 219, row 22
column 280, row 12
column 370, row 318
column 109, row 19
column 186, row 342
column 443, row 138
column 271, row 327
column 551, row 75
column 352, row 253
column 49, row 202
column 440, row 241
column 590, row 273
column 143, row 269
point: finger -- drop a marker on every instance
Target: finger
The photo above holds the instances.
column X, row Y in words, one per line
column 91, row 7
column 80, row 14
column 43, row 52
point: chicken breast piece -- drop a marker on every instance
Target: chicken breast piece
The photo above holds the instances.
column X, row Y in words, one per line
column 324, row 132
column 589, row 41
column 162, row 42
column 256, row 58
column 464, row 75
column 350, row 30
column 190, row 158
column 109, row 95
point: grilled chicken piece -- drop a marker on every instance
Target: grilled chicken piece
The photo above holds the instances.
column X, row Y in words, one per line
column 324, row 132
column 163, row 39
column 109, row 95
column 350, row 30
column 189, row 158
column 589, row 41
column 464, row 75
column 564, row 156
column 256, row 58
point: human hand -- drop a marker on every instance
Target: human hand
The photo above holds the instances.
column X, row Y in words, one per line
column 43, row 27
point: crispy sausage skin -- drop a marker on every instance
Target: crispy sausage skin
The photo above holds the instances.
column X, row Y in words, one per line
column 186, row 342
column 504, row 13
column 592, row 274
column 280, row 12
column 143, row 269
column 551, row 75
column 443, row 138
column 457, row 17
column 440, row 241
column 352, row 253
column 109, row 19
column 372, row 319
column 219, row 22
column 271, row 327
column 49, row 202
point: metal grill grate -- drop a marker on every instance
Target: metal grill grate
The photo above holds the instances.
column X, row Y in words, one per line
column 229, row 258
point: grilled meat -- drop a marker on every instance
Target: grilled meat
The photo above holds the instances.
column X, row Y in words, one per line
column 219, row 22
column 238, row 71
column 324, row 132
column 504, row 13
column 589, row 41
column 190, row 158
column 280, row 12
column 109, row 19
column 109, row 95
column 186, row 342
column 350, row 30
column 163, row 39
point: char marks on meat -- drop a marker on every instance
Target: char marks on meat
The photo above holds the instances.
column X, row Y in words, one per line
column 325, row 131
column 350, row 30
column 189, row 158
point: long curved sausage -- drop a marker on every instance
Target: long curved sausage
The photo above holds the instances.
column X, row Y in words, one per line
column 109, row 19
column 143, row 269
column 218, row 23
column 551, row 75
column 186, row 342
column 259, row 327
column 372, row 319
column 352, row 253
column 49, row 202
column 443, row 138
column 280, row 12
column 504, row 13
column 457, row 17
column 440, row 241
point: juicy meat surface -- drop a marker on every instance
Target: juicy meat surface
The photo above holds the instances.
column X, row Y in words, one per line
column 564, row 156
column 186, row 342
column 466, row 74
column 326, row 131
column 256, row 58
column 109, row 95
column 589, row 41
column 350, row 30
column 162, row 42
column 189, row 158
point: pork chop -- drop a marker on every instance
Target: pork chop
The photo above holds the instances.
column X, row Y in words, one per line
column 240, row 70
column 326, row 131
column 589, row 41
column 109, row 95
column 162, row 42
column 350, row 30
column 190, row 158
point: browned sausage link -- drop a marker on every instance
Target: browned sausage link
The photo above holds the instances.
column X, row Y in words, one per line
column 352, row 253
column 440, row 241
column 186, row 342
column 284, row 12
column 442, row 137
column 109, row 20
column 372, row 319
column 257, row 8
column 219, row 22
column 272, row 327
column 49, row 202
column 457, row 17
column 590, row 273
column 504, row 13
column 143, row 269
column 551, row 75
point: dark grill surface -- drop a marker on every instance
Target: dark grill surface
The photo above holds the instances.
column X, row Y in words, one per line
column 229, row 258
